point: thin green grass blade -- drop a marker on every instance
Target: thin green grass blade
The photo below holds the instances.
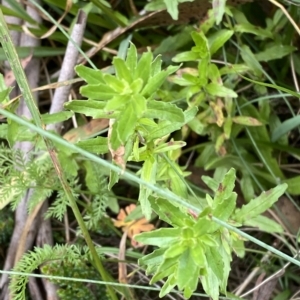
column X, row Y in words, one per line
column 285, row 127
column 19, row 11
column 36, row 52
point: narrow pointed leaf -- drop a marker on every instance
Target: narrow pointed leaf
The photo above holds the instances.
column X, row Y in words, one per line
column 164, row 110
column 264, row 224
column 260, row 204
column 162, row 237
column 98, row 145
column 89, row 75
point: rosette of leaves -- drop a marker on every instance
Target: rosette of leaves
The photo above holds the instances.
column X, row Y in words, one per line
column 142, row 121
column 197, row 248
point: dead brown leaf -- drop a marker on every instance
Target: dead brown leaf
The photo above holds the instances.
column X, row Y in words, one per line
column 82, row 132
column 132, row 227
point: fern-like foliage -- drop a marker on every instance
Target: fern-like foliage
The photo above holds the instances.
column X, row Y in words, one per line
column 20, row 172
column 61, row 203
column 69, row 254
column 96, row 183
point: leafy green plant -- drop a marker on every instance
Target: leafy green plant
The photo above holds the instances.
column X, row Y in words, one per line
column 140, row 125
column 33, row 259
column 149, row 107
column 197, row 248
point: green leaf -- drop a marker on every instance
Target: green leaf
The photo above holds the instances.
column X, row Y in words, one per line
column 56, row 117
column 175, row 250
column 285, row 127
column 248, row 121
column 293, row 185
column 213, row 73
column 90, row 108
column 154, row 84
column 196, row 126
column 260, row 204
column 224, row 210
column 210, row 182
column 203, row 68
column 264, row 224
column 172, row 8
column 204, row 226
column 148, row 174
column 157, row 80
column 218, row 10
column 225, row 188
column 156, row 66
column 98, row 145
column 247, row 187
column 199, row 256
column 275, row 52
column 168, row 286
column 117, row 102
column 98, row 91
column 164, row 128
column 127, row 121
column 155, row 5
column 4, row 90
column 187, row 269
column 144, row 66
column 254, row 29
column 91, row 76
column 145, row 204
column 226, row 258
column 136, row 86
column 251, row 61
column 169, row 146
column 238, row 247
column 210, row 284
column 69, row 164
column 233, row 69
column 201, row 48
column 122, row 71
column 217, row 40
column 153, row 259
column 168, row 212
column 186, row 56
column 115, row 83
column 177, row 183
column 17, row 132
column 220, row 90
column 166, row 269
column 91, row 174
column 227, row 127
column 131, row 59
column 164, row 111
column 14, row 192
column 215, row 261
column 163, row 237
column 189, row 114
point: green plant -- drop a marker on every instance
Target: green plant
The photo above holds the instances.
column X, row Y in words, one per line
column 152, row 109
column 140, row 125
column 196, row 247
